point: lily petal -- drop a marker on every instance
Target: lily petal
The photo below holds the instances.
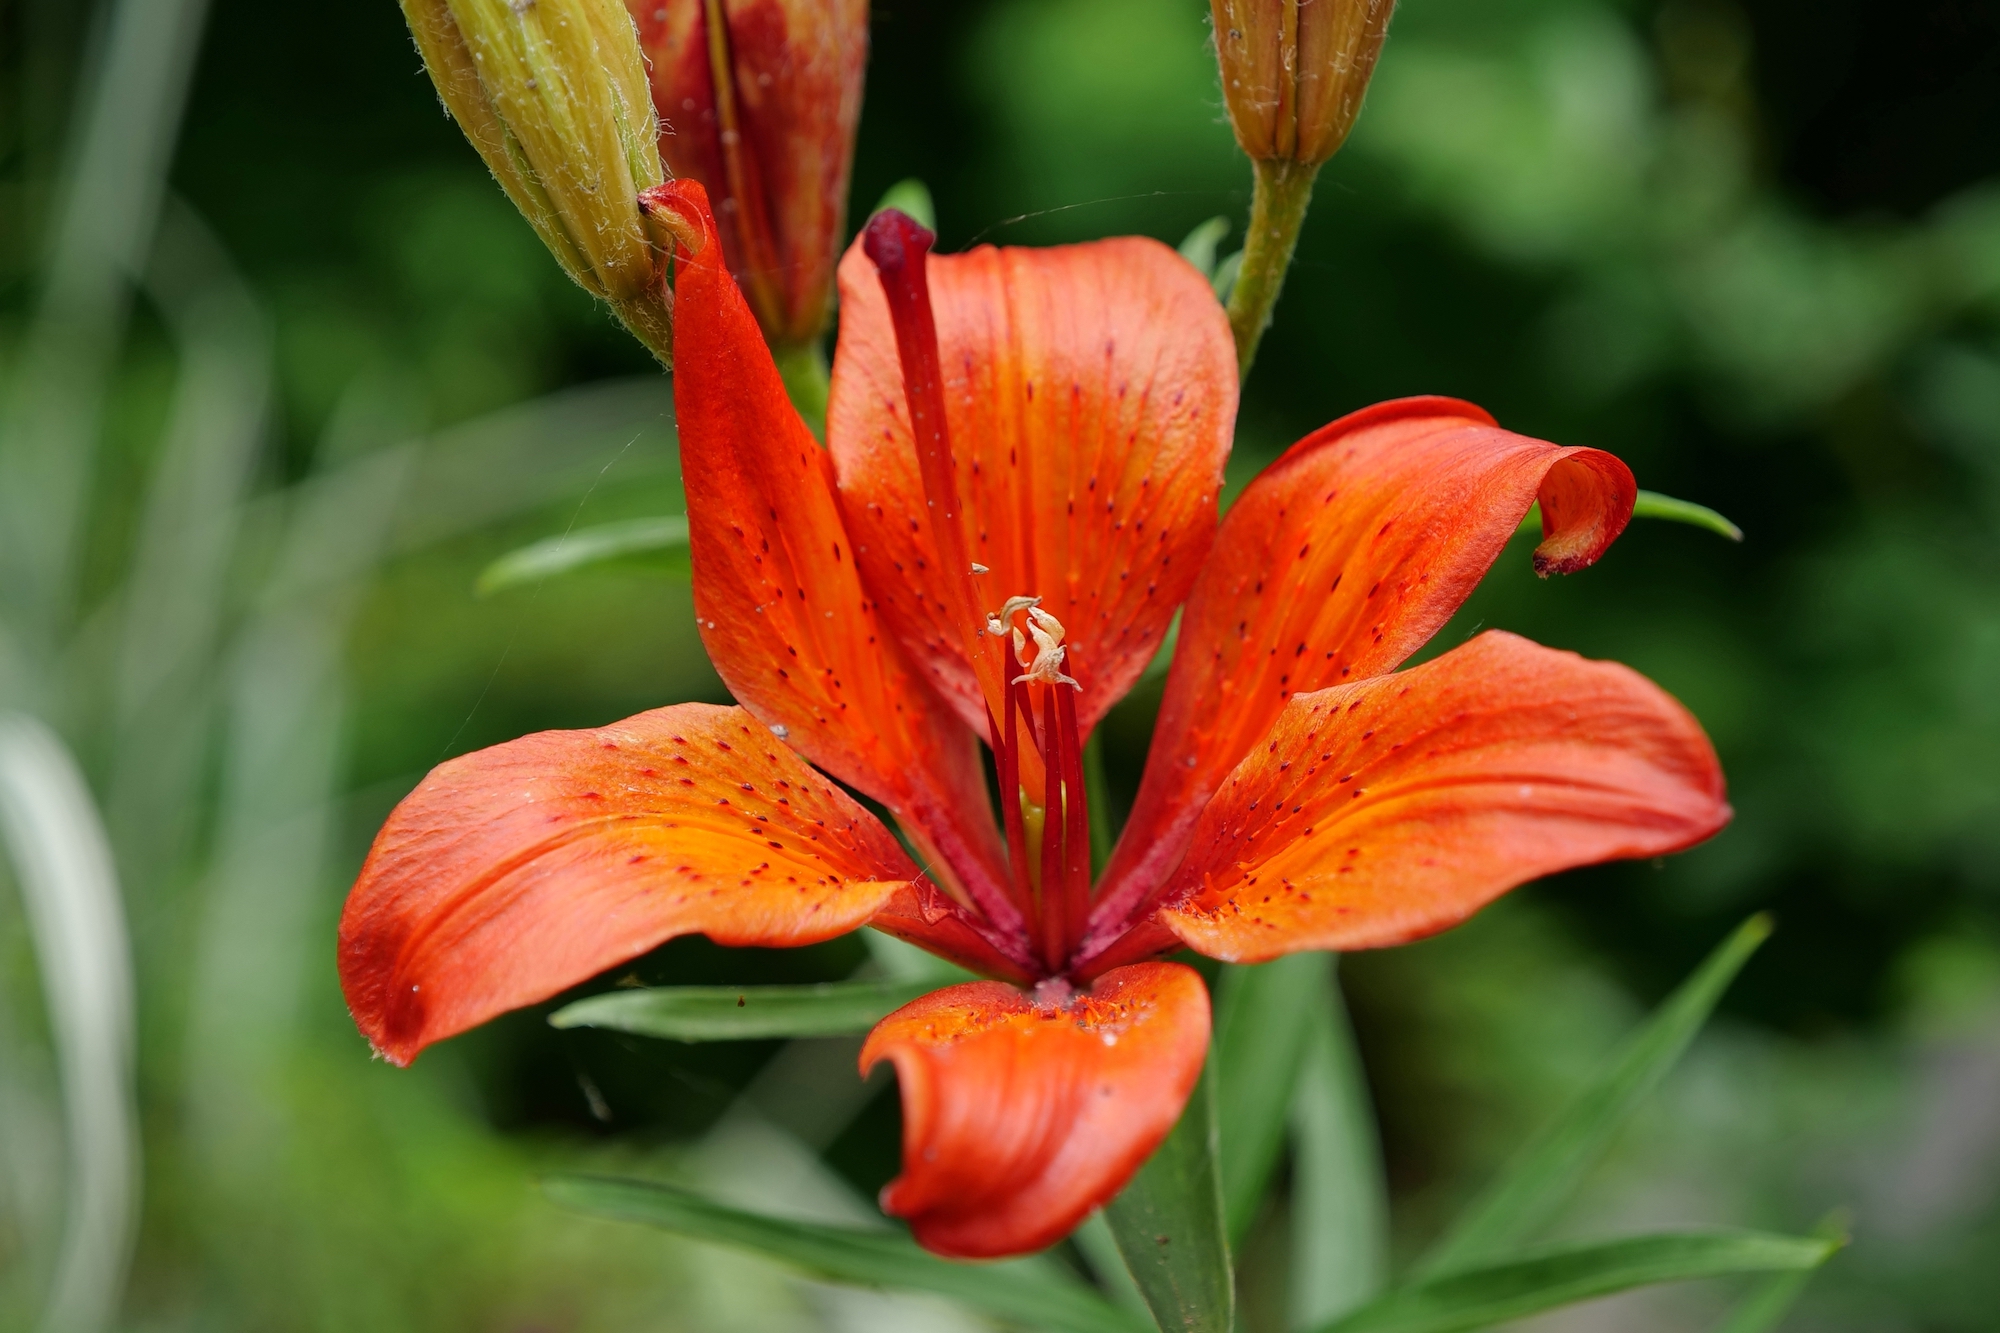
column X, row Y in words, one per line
column 1380, row 812
column 926, row 918
column 515, row 872
column 1334, row 565
column 1020, row 1117
column 1090, row 394
column 780, row 603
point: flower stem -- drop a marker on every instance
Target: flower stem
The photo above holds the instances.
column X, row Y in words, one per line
column 802, row 366
column 1277, row 211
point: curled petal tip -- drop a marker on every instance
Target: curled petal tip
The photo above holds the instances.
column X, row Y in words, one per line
column 671, row 207
column 1586, row 499
column 1022, row 1114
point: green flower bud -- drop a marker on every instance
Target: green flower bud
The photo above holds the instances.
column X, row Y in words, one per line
column 554, row 95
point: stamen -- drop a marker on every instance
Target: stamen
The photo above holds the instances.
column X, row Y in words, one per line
column 1046, row 669
column 1048, row 841
column 1013, row 606
column 1053, row 918
column 1007, row 759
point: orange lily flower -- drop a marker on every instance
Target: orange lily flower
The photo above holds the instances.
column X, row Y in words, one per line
column 1019, row 489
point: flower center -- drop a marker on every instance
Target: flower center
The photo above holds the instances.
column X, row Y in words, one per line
column 1048, row 841
column 1030, row 701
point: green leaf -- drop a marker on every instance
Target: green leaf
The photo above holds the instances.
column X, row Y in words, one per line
column 1017, row 1292
column 1100, row 1250
column 1546, row 1172
column 1767, row 1304
column 1545, row 1279
column 1340, row 1200
column 655, row 545
column 1772, row 1299
column 1651, row 504
column 1169, row 1226
column 743, row 1013
column 910, row 196
column 1224, row 280
column 1262, row 1016
column 1199, row 247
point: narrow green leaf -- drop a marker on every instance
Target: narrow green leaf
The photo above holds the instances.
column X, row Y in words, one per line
column 1767, row 1304
column 743, row 1013
column 1169, row 1226
column 655, row 545
column 1545, row 1173
column 909, row 196
column 1547, row 1278
column 1100, row 1250
column 1199, row 247
column 1226, row 270
column 1340, row 1200
column 1772, row 1299
column 1651, row 504
column 1014, row 1292
column 1262, row 1016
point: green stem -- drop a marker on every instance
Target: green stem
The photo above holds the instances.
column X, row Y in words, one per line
column 1277, row 211
column 803, row 368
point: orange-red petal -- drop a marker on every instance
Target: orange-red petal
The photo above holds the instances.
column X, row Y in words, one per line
column 1378, row 813
column 1334, row 565
column 515, row 872
column 1090, row 393
column 780, row 604
column 918, row 913
column 1020, row 1116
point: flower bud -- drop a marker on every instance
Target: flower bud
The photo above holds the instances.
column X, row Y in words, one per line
column 1294, row 71
column 553, row 94
column 758, row 100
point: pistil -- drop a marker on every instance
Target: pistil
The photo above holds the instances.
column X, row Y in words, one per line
column 899, row 247
column 1030, row 700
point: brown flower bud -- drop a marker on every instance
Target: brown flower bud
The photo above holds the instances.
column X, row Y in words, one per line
column 758, row 100
column 553, row 94
column 1294, row 71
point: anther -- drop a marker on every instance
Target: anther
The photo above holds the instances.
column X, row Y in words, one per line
column 1013, row 606
column 1046, row 669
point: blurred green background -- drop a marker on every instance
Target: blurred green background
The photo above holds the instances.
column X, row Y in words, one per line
column 1753, row 247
